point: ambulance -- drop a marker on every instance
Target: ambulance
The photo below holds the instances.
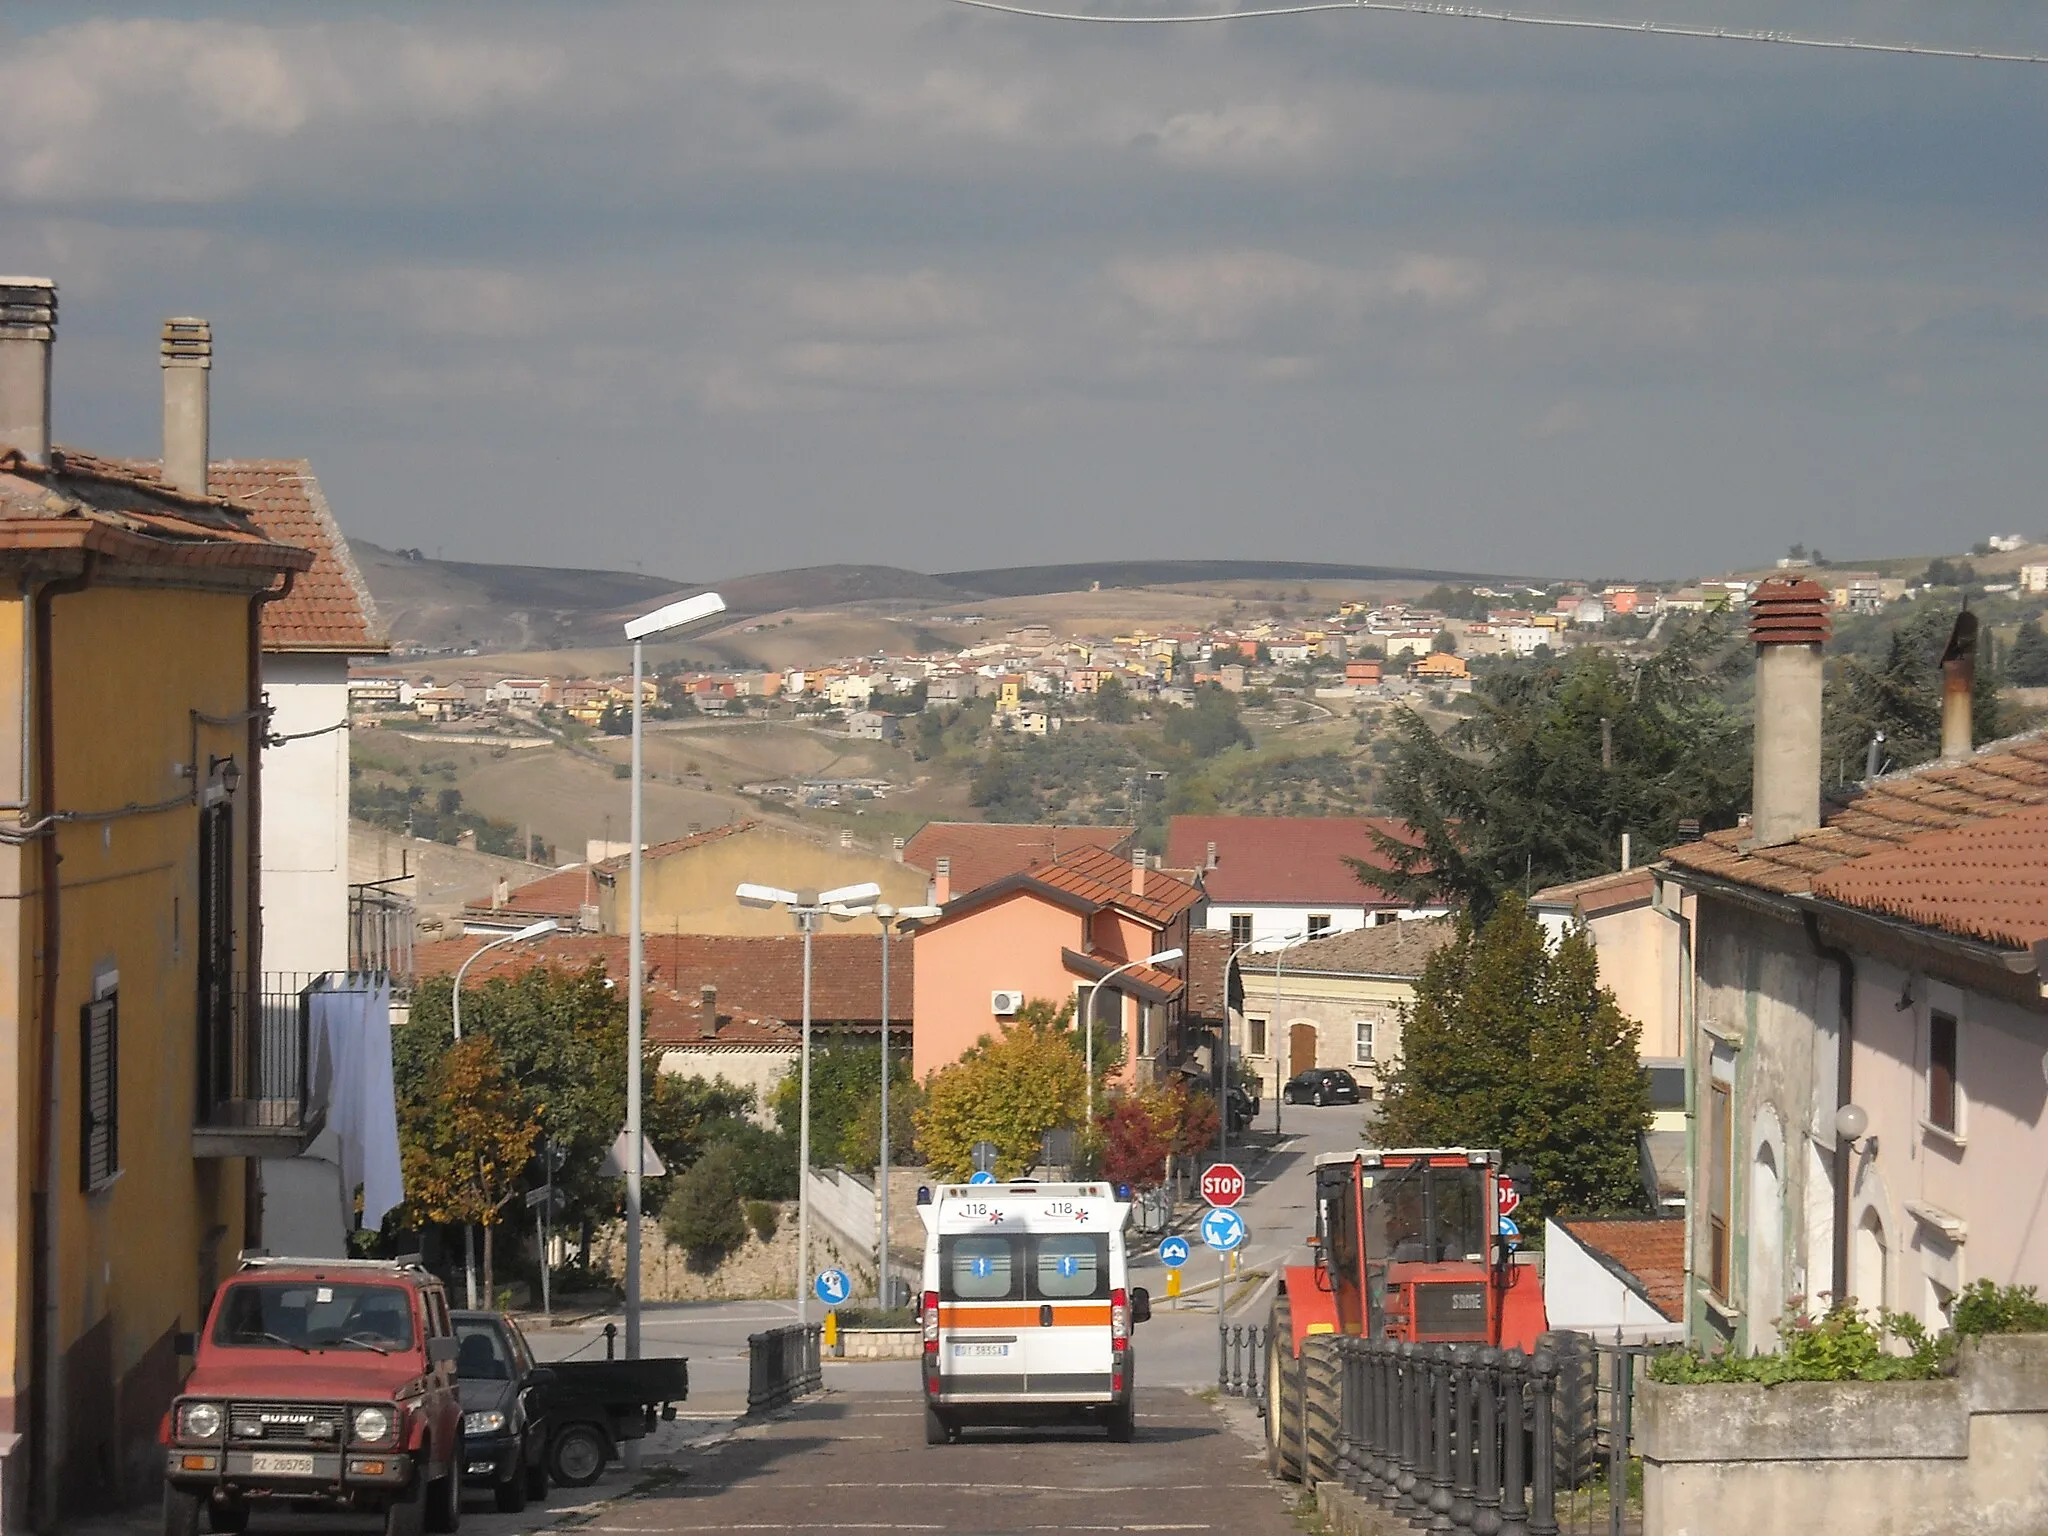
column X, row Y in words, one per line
column 1026, row 1307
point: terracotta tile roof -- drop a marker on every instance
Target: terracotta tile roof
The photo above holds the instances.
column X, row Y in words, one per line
column 1105, row 879
column 1391, row 949
column 81, row 502
column 1985, row 880
column 1294, row 859
column 1146, row 980
column 983, row 852
column 1208, row 980
column 329, row 607
column 759, row 979
column 1602, row 893
column 1646, row 1252
column 1880, row 816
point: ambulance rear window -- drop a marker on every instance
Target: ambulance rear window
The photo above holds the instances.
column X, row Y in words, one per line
column 978, row 1268
column 1068, row 1268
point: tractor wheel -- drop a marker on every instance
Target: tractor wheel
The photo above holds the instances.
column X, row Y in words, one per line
column 1319, row 1409
column 1283, row 1395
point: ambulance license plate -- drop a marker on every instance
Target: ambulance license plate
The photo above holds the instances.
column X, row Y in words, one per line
column 980, row 1351
column 276, row 1464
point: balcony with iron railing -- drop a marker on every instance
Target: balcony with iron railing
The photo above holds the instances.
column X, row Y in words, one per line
column 255, row 1097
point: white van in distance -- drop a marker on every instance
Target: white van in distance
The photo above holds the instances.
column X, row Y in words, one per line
column 1026, row 1309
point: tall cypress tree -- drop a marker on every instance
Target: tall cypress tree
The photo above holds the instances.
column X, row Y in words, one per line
column 1512, row 1043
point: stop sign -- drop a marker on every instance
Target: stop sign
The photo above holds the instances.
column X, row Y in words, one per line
column 1223, row 1184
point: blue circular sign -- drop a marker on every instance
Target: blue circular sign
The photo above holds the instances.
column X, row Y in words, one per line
column 833, row 1286
column 1223, row 1229
column 1511, row 1231
column 981, row 1177
column 1174, row 1252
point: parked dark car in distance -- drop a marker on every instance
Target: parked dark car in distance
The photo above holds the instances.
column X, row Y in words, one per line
column 1322, row 1085
column 504, row 1409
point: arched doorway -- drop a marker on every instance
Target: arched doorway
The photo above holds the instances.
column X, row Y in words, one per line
column 1765, row 1292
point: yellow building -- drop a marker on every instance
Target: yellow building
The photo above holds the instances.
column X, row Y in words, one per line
column 135, row 1083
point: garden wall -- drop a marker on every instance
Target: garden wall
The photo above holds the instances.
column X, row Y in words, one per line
column 1966, row 1455
column 752, row 1271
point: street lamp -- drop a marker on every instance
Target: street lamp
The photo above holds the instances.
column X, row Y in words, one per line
column 889, row 917
column 807, row 909
column 531, row 931
column 671, row 616
column 1163, row 957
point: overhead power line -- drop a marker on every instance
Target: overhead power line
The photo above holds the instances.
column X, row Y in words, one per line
column 1525, row 19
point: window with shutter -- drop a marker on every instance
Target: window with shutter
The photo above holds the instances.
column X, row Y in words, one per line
column 1941, row 1072
column 100, row 1107
column 216, row 953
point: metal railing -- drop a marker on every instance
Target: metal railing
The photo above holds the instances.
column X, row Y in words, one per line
column 1464, row 1437
column 782, row 1366
column 254, row 1071
column 381, row 925
column 1241, row 1362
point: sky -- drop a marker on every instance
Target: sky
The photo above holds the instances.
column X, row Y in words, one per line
column 709, row 287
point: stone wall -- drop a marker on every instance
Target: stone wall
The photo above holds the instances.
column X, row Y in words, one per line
column 1963, row 1456
column 754, row 1270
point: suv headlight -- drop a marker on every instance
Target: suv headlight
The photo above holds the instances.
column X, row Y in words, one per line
column 371, row 1425
column 490, row 1423
column 199, row 1421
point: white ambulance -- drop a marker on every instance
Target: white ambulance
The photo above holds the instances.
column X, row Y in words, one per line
column 1026, row 1308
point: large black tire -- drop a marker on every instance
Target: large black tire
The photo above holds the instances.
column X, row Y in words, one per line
column 1319, row 1368
column 181, row 1512
column 405, row 1515
column 1322, row 1098
column 444, row 1497
column 1575, row 1428
column 1283, row 1395
column 577, row 1456
column 227, row 1519
column 1123, row 1421
column 936, row 1430
column 510, row 1495
column 536, row 1474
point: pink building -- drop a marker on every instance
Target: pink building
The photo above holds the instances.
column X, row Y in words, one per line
column 1048, row 932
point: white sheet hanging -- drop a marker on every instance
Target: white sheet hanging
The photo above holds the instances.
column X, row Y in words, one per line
column 353, row 1020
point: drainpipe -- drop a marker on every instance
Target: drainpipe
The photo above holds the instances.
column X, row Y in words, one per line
column 258, row 728
column 1845, row 1036
column 44, row 1280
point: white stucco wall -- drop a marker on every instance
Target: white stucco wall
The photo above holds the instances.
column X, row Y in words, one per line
column 305, row 816
column 1270, row 920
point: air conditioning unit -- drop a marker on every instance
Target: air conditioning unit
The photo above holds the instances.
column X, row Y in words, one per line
column 1003, row 1004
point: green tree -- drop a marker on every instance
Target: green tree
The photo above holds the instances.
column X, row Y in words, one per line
column 1557, row 760
column 1010, row 1089
column 846, row 1078
column 1209, row 726
column 464, row 1138
column 1899, row 693
column 704, row 1218
column 1112, row 702
column 1445, row 643
column 1512, row 1043
column 1949, row 573
column 2026, row 665
column 1002, row 787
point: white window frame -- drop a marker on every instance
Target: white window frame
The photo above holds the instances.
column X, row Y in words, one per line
column 1365, row 1033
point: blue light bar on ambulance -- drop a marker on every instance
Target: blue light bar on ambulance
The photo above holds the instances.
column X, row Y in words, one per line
column 1123, row 1191
column 924, row 1194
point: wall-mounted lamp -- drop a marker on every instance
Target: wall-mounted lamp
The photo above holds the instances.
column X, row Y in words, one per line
column 1852, row 1124
column 228, row 770
column 1905, row 997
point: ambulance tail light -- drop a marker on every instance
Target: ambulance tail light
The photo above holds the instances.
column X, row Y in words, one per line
column 931, row 1323
column 1119, row 1320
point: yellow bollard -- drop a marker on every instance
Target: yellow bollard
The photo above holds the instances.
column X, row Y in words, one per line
column 1173, row 1285
column 830, row 1337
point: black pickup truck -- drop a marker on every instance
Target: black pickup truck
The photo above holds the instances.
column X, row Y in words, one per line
column 559, row 1421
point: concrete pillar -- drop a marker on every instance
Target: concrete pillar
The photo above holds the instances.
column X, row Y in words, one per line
column 1789, row 624
column 28, row 326
column 187, row 356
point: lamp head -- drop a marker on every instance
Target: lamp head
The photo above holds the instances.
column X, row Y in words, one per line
column 675, row 615
column 866, row 894
column 1851, row 1121
column 535, row 930
column 1164, row 957
column 751, row 895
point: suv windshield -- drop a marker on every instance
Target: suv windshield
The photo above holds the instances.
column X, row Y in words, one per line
column 481, row 1353
column 314, row 1314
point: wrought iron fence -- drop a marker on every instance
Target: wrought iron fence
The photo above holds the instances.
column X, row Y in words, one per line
column 1241, row 1363
column 1465, row 1437
column 254, row 1069
column 782, row 1366
column 381, row 924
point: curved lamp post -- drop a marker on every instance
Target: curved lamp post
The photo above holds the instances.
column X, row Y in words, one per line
column 1162, row 957
column 546, row 925
column 846, row 901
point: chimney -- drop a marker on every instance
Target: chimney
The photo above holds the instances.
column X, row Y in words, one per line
column 1958, row 688
column 707, row 1003
column 1139, row 861
column 1209, row 861
column 28, row 324
column 1788, row 622
column 186, row 353
column 942, row 881
column 897, row 850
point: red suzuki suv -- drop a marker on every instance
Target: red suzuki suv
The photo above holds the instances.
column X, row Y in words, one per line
column 319, row 1383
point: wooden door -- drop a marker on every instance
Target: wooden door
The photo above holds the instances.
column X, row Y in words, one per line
column 1301, row 1048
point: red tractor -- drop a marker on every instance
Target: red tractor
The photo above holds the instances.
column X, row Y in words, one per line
column 1415, row 1244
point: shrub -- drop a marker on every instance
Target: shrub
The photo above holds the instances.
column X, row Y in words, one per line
column 1843, row 1345
column 763, row 1217
column 1986, row 1308
column 703, row 1215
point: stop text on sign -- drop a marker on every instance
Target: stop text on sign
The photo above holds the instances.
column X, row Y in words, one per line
column 1223, row 1184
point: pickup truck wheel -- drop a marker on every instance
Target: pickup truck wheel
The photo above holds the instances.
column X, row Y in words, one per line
column 511, row 1494
column 577, row 1458
column 444, row 1497
column 181, row 1512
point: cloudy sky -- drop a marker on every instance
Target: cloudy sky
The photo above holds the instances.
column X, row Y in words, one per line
column 713, row 286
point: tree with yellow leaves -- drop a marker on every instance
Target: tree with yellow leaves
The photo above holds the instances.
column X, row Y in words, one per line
column 1010, row 1089
column 466, row 1139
